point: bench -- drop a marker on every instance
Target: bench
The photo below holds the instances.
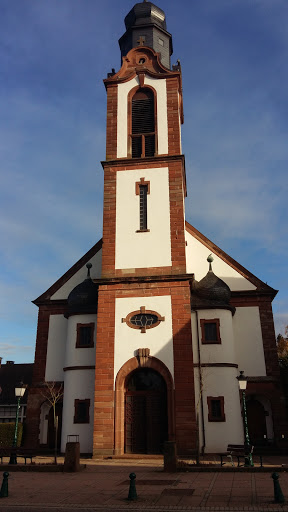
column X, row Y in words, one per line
column 4, row 452
column 240, row 451
column 24, row 453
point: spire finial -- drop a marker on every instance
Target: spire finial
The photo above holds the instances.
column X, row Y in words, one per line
column 210, row 259
column 88, row 266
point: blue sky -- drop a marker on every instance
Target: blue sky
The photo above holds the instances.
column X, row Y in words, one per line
column 53, row 57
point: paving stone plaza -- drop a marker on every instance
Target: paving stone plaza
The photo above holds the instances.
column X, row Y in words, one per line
column 104, row 485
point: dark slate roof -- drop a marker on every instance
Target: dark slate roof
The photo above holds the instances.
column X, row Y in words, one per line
column 10, row 376
column 143, row 13
column 83, row 296
column 212, row 288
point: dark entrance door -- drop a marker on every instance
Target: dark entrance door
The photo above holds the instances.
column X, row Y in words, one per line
column 51, row 428
column 256, row 418
column 146, row 424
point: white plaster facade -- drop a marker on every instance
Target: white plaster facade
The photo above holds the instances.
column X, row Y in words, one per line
column 56, row 348
column 158, row 339
column 196, row 257
column 83, row 356
column 78, row 384
column 144, row 249
column 79, row 276
column 217, row 381
column 248, row 341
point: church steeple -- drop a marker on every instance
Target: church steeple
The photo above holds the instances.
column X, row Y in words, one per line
column 146, row 25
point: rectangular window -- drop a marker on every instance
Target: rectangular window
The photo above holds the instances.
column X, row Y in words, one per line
column 85, row 335
column 216, row 408
column 81, row 408
column 210, row 330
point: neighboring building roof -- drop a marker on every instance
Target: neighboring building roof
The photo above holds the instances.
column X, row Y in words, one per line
column 11, row 375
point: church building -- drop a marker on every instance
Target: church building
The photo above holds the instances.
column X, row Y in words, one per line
column 149, row 330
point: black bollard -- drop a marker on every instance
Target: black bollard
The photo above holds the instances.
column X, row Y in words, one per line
column 132, row 488
column 4, row 486
column 278, row 494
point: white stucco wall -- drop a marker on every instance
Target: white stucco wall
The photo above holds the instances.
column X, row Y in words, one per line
column 122, row 114
column 223, row 352
column 56, row 348
column 145, row 249
column 217, row 381
column 196, row 260
column 78, row 384
column 248, row 341
column 83, row 356
column 79, row 277
column 158, row 340
column 222, row 382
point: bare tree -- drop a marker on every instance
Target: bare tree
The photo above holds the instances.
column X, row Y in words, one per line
column 53, row 392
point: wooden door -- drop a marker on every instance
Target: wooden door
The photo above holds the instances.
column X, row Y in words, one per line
column 256, row 422
column 146, row 425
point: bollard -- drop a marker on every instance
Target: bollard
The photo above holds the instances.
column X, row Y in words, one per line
column 278, row 494
column 132, row 488
column 4, row 486
column 72, row 457
column 170, row 457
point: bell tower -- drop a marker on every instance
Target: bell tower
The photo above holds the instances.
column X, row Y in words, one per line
column 143, row 252
column 144, row 171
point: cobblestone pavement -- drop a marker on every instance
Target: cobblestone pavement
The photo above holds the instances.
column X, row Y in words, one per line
column 103, row 485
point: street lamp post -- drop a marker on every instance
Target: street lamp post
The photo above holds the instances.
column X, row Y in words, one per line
column 242, row 381
column 19, row 393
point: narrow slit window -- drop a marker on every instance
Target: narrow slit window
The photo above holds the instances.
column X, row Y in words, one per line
column 143, row 191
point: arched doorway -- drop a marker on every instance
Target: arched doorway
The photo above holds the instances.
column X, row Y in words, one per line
column 256, row 417
column 146, row 423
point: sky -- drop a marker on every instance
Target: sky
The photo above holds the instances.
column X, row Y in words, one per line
column 54, row 55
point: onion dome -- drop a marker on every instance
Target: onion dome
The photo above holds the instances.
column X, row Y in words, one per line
column 146, row 25
column 84, row 297
column 211, row 288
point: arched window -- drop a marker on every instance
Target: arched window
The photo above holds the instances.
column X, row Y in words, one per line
column 143, row 124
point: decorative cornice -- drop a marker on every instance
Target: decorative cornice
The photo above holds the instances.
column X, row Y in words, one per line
column 144, row 279
column 68, row 368
column 132, row 66
column 120, row 162
column 215, row 365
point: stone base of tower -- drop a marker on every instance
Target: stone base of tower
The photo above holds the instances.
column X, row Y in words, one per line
column 167, row 366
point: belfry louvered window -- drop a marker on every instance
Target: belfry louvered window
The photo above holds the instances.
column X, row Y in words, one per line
column 143, row 124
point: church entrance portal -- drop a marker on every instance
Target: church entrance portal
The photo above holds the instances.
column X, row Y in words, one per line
column 146, row 424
